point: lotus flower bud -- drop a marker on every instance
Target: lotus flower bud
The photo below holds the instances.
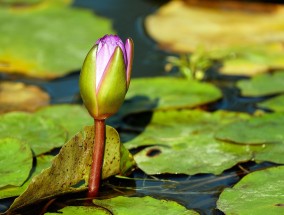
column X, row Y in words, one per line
column 105, row 76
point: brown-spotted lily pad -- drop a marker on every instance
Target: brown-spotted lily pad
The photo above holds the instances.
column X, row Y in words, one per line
column 48, row 40
column 42, row 134
column 70, row 168
column 20, row 97
column 252, row 46
column 16, row 161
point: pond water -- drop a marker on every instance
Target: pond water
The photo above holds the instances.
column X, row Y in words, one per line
column 198, row 192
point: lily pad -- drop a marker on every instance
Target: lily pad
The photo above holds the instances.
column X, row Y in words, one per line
column 263, row 84
column 264, row 129
column 20, row 97
column 162, row 93
column 42, row 162
column 142, row 205
column 72, row 117
column 187, row 136
column 40, row 133
column 51, row 51
column 14, row 154
column 275, row 104
column 246, row 50
column 70, row 168
column 260, row 192
column 120, row 206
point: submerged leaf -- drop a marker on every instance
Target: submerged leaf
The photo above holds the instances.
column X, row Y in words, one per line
column 263, row 85
column 16, row 161
column 51, row 51
column 262, row 191
column 70, row 168
column 21, row 97
column 42, row 162
column 188, row 138
column 72, row 117
column 169, row 93
column 40, row 133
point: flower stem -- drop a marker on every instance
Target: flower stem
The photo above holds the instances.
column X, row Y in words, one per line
column 98, row 157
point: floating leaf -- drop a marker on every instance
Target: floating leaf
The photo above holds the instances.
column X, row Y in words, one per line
column 188, row 137
column 16, row 161
column 260, row 192
column 275, row 103
column 70, row 168
column 120, row 206
column 40, row 133
column 142, row 205
column 247, row 50
column 53, row 50
column 81, row 210
column 170, row 93
column 72, row 117
column 20, row 97
column 42, row 162
column 263, row 84
column 267, row 128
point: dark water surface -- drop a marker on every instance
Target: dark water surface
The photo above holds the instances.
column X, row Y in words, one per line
column 199, row 192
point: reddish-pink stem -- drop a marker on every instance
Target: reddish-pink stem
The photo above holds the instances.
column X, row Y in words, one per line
column 98, row 157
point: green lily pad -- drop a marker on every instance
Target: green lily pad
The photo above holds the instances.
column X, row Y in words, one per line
column 51, row 51
column 42, row 162
column 70, row 168
column 260, row 192
column 188, row 136
column 14, row 154
column 40, row 133
column 162, row 93
column 142, row 205
column 264, row 129
column 72, row 117
column 263, row 84
column 275, row 103
column 120, row 206
column 81, row 210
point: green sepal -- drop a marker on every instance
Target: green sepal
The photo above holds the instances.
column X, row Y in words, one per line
column 113, row 86
column 87, row 82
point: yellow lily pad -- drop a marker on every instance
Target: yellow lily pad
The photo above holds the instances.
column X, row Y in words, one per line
column 248, row 42
column 16, row 96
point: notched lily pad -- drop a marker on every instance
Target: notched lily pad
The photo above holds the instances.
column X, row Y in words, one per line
column 72, row 117
column 40, row 133
column 20, row 97
column 53, row 51
column 263, row 84
column 42, row 162
column 187, row 136
column 275, row 104
column 264, row 129
column 163, row 93
column 16, row 161
column 70, row 168
column 260, row 192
